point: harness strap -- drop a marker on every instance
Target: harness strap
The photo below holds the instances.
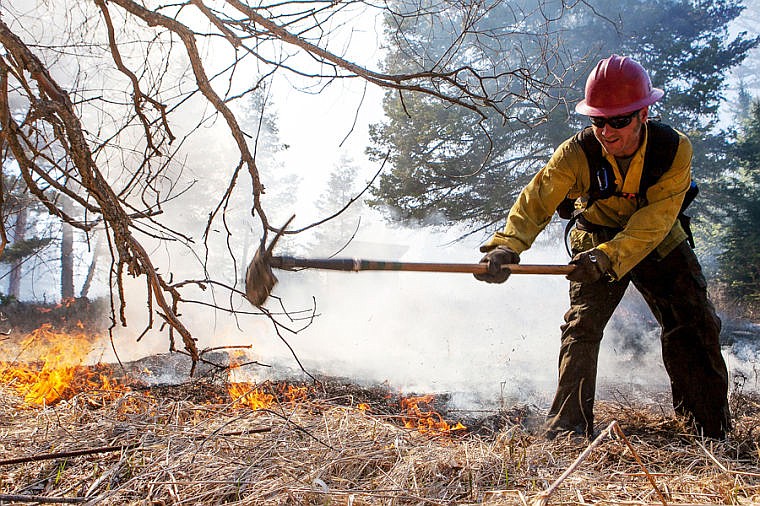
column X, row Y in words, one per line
column 662, row 145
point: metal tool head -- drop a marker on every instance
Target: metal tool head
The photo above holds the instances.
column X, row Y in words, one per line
column 259, row 278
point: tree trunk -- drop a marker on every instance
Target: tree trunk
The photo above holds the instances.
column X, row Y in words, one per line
column 93, row 267
column 67, row 250
column 19, row 234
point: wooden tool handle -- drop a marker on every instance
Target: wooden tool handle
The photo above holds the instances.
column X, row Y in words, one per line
column 355, row 265
column 539, row 269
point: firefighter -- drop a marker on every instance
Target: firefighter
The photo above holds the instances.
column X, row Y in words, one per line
column 626, row 178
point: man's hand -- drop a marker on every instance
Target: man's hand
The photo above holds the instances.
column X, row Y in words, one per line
column 590, row 266
column 500, row 255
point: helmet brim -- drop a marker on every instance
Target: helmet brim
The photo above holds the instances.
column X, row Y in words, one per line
column 587, row 110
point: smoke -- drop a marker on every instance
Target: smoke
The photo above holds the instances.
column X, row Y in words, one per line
column 484, row 345
column 743, row 354
column 416, row 332
column 435, row 332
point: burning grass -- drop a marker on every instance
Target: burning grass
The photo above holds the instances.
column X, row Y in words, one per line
column 56, row 372
column 337, row 443
column 73, row 433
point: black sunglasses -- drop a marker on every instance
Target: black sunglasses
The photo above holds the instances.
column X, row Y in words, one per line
column 615, row 122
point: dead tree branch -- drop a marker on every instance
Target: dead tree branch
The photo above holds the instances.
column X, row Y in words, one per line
column 120, row 155
column 57, row 110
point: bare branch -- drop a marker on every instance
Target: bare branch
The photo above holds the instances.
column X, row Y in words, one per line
column 59, row 110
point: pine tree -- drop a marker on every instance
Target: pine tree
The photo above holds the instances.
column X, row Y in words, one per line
column 343, row 187
column 24, row 241
column 740, row 260
column 454, row 163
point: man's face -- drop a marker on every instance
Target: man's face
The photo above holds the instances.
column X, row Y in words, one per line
column 622, row 142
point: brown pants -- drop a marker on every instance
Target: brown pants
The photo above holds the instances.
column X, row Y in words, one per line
column 675, row 290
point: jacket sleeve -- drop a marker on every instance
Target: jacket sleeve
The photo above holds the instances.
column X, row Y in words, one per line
column 649, row 225
column 538, row 201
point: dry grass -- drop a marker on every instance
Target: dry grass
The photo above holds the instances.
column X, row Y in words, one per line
column 191, row 445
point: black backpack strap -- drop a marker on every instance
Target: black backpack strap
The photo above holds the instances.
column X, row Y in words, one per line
column 662, row 145
column 601, row 175
column 590, row 145
column 601, row 180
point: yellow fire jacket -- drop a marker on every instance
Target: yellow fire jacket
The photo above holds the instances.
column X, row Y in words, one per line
column 644, row 228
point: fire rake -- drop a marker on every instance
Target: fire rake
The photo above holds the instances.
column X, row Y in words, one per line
column 259, row 278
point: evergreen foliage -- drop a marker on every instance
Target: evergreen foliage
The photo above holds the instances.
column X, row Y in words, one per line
column 459, row 167
column 16, row 200
column 342, row 188
column 740, row 260
column 21, row 249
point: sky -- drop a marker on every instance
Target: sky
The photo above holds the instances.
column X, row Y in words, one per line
column 321, row 130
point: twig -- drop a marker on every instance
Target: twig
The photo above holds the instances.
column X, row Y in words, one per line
column 63, row 455
column 722, row 467
column 543, row 498
column 288, row 421
column 245, row 432
column 40, row 498
column 105, row 476
column 620, row 433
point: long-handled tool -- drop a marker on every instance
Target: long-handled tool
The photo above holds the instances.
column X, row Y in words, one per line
column 260, row 279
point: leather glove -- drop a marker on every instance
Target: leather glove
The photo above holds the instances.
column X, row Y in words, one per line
column 495, row 258
column 590, row 266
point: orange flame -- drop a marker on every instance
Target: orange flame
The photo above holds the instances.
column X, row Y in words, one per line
column 249, row 395
column 257, row 397
column 243, row 392
column 295, row 394
column 56, row 370
column 425, row 420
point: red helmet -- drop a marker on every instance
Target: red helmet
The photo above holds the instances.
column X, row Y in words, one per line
column 618, row 85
